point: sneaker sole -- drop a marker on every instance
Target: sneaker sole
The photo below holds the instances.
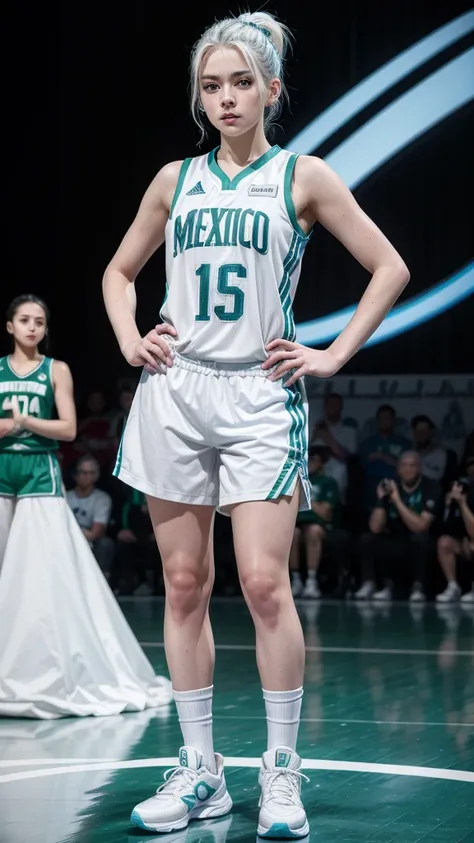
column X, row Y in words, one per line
column 204, row 812
column 282, row 831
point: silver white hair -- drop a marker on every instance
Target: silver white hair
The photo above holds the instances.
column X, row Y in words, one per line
column 264, row 43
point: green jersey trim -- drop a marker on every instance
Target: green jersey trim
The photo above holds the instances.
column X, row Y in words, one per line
column 179, row 186
column 28, row 374
column 290, row 205
column 231, row 184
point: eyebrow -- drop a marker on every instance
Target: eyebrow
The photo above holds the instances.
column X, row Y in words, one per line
column 232, row 75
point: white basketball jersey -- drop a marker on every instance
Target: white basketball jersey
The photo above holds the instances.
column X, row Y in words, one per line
column 233, row 257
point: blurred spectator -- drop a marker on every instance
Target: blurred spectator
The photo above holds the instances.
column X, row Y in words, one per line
column 468, row 451
column 340, row 440
column 93, row 431
column 434, row 457
column 379, row 453
column 136, row 552
column 92, row 509
column 457, row 539
column 119, row 417
column 317, row 526
column 399, row 531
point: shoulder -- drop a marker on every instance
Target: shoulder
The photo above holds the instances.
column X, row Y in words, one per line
column 313, row 171
column 100, row 496
column 60, row 373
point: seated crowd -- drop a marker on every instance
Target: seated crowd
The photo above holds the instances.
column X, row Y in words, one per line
column 390, row 515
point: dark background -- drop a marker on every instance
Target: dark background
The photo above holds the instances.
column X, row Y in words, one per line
column 95, row 101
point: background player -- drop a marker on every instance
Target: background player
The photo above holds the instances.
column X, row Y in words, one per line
column 227, row 424
column 65, row 647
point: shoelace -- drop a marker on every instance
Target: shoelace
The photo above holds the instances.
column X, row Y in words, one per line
column 176, row 779
column 284, row 785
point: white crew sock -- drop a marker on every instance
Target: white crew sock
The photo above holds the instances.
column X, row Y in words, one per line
column 195, row 719
column 283, row 717
column 312, row 576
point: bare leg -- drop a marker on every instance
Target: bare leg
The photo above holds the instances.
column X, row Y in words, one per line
column 263, row 534
column 314, row 537
column 448, row 549
column 295, row 550
column 184, row 537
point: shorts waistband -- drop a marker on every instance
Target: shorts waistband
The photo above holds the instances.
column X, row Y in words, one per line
column 224, row 370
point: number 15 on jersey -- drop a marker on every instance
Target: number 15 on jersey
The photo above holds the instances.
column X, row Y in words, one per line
column 222, row 277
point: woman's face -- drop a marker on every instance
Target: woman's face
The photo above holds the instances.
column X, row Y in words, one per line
column 28, row 325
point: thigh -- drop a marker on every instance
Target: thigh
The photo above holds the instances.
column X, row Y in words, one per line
column 164, row 452
column 39, row 475
column 263, row 534
column 184, row 535
column 262, row 441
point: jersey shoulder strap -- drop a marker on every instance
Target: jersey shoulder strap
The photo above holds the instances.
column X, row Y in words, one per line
column 188, row 168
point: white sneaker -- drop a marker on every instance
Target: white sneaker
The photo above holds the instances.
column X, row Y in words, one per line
column 417, row 594
column 190, row 792
column 468, row 598
column 451, row 593
column 366, row 591
column 281, row 811
column 296, row 586
column 311, row 590
column 383, row 594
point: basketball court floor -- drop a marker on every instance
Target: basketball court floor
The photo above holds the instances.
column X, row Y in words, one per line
column 387, row 736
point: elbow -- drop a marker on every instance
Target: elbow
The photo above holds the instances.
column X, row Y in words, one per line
column 70, row 433
column 402, row 274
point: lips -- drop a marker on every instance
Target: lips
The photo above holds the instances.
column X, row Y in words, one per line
column 229, row 116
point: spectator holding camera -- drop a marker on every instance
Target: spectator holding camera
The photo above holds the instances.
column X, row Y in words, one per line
column 379, row 453
column 399, row 531
column 457, row 539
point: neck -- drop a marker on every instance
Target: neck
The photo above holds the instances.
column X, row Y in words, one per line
column 84, row 493
column 410, row 486
column 25, row 355
column 246, row 148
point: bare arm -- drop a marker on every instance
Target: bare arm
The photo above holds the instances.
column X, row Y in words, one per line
column 142, row 239
column 332, row 204
column 321, row 196
column 64, row 428
column 95, row 532
column 417, row 523
column 377, row 520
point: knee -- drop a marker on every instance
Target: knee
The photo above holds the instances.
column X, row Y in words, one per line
column 445, row 545
column 186, row 586
column 264, row 594
column 315, row 534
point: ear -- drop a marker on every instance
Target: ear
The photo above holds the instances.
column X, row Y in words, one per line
column 273, row 92
column 10, row 327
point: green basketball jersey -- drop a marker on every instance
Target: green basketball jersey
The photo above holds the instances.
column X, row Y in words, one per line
column 35, row 396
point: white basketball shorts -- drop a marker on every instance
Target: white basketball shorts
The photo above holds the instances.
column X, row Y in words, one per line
column 215, row 434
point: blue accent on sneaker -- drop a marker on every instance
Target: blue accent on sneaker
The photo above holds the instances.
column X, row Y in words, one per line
column 281, row 831
column 137, row 820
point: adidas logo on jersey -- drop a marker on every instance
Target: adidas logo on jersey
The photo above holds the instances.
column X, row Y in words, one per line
column 196, row 190
column 269, row 190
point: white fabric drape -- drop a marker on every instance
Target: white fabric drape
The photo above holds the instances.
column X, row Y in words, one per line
column 65, row 646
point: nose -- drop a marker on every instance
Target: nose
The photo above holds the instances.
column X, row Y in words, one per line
column 227, row 97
